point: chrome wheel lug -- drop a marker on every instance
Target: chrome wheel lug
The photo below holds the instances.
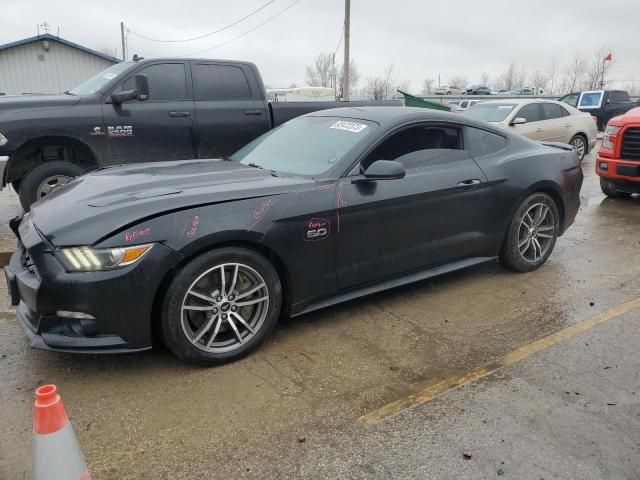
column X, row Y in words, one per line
column 215, row 310
column 218, row 298
column 224, row 316
column 234, row 308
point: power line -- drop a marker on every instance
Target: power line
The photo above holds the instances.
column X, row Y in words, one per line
column 206, row 34
column 339, row 41
column 243, row 34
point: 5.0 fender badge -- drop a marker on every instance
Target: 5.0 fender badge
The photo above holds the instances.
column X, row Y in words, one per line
column 317, row 229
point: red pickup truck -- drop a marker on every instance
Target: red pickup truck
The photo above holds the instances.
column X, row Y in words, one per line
column 618, row 160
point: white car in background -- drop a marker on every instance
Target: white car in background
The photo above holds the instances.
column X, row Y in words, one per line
column 464, row 104
column 448, row 90
column 544, row 120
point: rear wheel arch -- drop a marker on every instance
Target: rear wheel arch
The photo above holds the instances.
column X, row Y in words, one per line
column 36, row 151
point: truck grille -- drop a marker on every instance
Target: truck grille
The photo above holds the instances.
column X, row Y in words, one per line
column 631, row 144
column 29, row 265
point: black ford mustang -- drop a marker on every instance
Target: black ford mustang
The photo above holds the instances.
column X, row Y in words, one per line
column 330, row 206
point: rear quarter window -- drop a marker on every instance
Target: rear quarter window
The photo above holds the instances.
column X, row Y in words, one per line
column 483, row 142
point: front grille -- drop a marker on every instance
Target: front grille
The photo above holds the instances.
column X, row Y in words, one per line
column 631, row 144
column 27, row 263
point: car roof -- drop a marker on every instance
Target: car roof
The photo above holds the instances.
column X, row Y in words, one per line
column 521, row 101
column 388, row 117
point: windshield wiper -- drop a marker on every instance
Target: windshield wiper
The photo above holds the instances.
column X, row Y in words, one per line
column 273, row 172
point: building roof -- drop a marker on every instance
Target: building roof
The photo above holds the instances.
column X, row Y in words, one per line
column 48, row 36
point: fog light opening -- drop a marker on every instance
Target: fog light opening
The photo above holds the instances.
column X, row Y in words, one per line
column 70, row 314
column 604, row 166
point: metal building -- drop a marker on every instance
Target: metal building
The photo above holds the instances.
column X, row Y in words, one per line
column 47, row 64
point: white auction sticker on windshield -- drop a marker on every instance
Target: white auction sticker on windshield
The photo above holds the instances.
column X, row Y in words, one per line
column 110, row 76
column 349, row 126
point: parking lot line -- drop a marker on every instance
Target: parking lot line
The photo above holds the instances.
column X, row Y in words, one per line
column 515, row 356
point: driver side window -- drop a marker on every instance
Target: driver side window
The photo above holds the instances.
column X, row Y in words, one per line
column 167, row 81
column 420, row 146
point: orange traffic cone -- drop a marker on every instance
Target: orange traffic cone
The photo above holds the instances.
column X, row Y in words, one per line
column 57, row 453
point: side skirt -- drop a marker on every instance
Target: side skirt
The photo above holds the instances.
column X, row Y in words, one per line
column 394, row 282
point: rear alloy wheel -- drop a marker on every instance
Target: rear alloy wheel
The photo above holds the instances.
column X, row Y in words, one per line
column 45, row 179
column 610, row 190
column 579, row 143
column 532, row 234
column 221, row 306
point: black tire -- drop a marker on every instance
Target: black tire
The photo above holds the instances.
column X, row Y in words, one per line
column 174, row 331
column 32, row 181
column 510, row 254
column 609, row 189
column 577, row 141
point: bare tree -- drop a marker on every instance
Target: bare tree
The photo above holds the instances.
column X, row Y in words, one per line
column 596, row 70
column 354, row 75
column 460, row 81
column 427, row 86
column 538, row 80
column 320, row 73
column 381, row 87
column 575, row 72
column 552, row 74
column 485, row 79
column 512, row 77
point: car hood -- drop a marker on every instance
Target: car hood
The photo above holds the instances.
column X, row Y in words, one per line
column 106, row 201
column 18, row 103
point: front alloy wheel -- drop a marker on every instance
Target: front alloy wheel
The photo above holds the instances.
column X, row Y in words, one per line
column 221, row 305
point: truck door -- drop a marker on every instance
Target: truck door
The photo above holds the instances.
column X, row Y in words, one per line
column 157, row 129
column 231, row 109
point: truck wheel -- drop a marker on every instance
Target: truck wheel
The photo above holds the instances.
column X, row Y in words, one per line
column 610, row 190
column 532, row 233
column 580, row 144
column 44, row 179
column 221, row 306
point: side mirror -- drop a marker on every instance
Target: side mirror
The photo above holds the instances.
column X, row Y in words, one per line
column 519, row 121
column 121, row 97
column 141, row 91
column 383, row 170
column 142, row 86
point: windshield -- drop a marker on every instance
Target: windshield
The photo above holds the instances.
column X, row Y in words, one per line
column 96, row 83
column 305, row 145
column 490, row 112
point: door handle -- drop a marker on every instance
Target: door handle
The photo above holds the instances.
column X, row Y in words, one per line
column 567, row 125
column 468, row 184
column 253, row 112
column 179, row 114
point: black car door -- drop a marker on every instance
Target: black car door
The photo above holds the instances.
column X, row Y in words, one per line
column 391, row 227
column 157, row 129
column 230, row 108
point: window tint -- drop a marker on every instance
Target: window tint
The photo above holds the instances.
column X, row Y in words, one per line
column 565, row 112
column 619, row 97
column 420, row 146
column 570, row 100
column 167, row 81
column 219, row 82
column 531, row 112
column 482, row 142
column 551, row 111
column 591, row 99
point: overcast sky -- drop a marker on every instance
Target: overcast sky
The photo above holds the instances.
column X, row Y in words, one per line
column 421, row 38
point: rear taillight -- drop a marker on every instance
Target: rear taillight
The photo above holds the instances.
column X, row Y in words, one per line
column 609, row 139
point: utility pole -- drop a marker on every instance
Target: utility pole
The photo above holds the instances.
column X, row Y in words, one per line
column 347, row 35
column 124, row 49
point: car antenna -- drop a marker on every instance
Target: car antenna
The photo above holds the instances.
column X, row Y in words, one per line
column 137, row 58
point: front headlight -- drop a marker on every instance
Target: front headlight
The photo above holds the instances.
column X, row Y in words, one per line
column 3, row 140
column 607, row 141
column 87, row 259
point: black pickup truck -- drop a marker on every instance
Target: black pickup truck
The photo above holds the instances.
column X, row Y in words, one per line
column 602, row 104
column 137, row 111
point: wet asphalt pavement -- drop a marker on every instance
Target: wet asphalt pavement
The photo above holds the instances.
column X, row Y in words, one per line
column 291, row 409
